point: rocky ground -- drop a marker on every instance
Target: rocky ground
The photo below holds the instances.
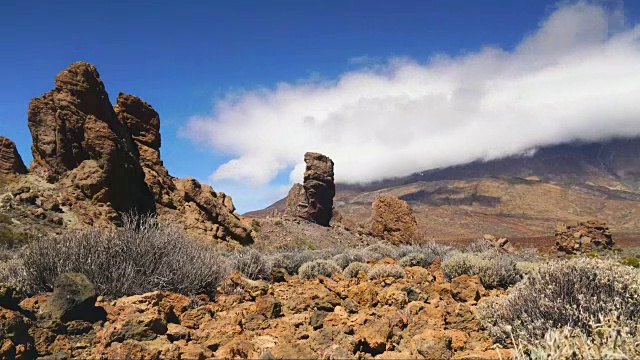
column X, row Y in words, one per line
column 420, row 316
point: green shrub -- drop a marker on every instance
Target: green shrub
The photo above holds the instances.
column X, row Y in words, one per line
column 592, row 255
column 5, row 219
column 313, row 269
column 565, row 293
column 631, row 261
column 386, row 271
column 494, row 268
column 251, row 263
column 143, row 256
column 413, row 259
column 10, row 239
column 355, row 268
column 255, row 225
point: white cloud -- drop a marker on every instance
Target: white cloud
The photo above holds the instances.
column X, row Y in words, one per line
column 576, row 78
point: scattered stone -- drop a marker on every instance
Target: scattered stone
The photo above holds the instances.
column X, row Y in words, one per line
column 583, row 237
column 393, row 220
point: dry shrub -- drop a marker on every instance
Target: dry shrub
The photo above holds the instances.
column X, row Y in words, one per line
column 494, row 268
column 355, row 268
column 386, row 271
column 608, row 340
column 566, row 293
column 313, row 269
column 381, row 250
column 143, row 256
column 291, row 261
column 251, row 263
column 413, row 259
column 430, row 250
column 351, row 256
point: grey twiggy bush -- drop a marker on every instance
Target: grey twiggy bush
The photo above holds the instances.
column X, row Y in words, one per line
column 355, row 268
column 413, row 259
column 386, row 271
column 251, row 263
column 350, row 256
column 293, row 260
column 317, row 268
column 566, row 293
column 143, row 256
column 494, row 268
column 381, row 250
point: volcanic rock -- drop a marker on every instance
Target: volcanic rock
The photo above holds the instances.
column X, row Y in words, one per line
column 313, row 200
column 203, row 212
column 74, row 297
column 10, row 160
column 79, row 141
column 583, row 237
column 393, row 220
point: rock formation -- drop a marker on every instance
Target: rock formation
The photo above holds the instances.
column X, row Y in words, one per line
column 583, row 237
column 205, row 213
column 10, row 160
column 314, row 199
column 79, row 141
column 104, row 161
column 393, row 220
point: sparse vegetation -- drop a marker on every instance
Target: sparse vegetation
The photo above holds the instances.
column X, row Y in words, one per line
column 413, row 259
column 494, row 268
column 251, row 263
column 143, row 256
column 631, row 261
column 313, row 269
column 350, row 256
column 356, row 268
column 572, row 293
column 386, row 271
column 382, row 250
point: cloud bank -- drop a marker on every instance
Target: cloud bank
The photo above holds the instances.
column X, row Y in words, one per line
column 577, row 77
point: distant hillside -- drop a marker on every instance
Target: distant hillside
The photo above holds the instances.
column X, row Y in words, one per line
column 519, row 196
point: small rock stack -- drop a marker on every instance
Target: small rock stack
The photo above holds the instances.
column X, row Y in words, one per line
column 313, row 200
column 583, row 237
column 393, row 220
column 10, row 160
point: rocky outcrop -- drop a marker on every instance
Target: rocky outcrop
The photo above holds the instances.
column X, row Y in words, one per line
column 73, row 298
column 393, row 220
column 313, row 200
column 205, row 213
column 583, row 237
column 104, row 160
column 10, row 160
column 79, row 141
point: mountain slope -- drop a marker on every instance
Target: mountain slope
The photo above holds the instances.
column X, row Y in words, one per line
column 519, row 196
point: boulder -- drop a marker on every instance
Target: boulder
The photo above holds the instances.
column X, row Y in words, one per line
column 393, row 220
column 583, row 237
column 79, row 140
column 73, row 298
column 10, row 160
column 313, row 200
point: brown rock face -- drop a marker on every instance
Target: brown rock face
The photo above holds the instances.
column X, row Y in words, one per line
column 393, row 220
column 314, row 199
column 583, row 237
column 10, row 160
column 204, row 213
column 79, row 141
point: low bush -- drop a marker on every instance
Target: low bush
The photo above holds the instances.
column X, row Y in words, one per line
column 494, row 268
column 430, row 250
column 565, row 293
column 413, row 259
column 251, row 263
column 381, row 250
column 143, row 256
column 350, row 256
column 313, row 269
column 355, row 268
column 386, row 271
column 293, row 260
column 631, row 261
column 607, row 341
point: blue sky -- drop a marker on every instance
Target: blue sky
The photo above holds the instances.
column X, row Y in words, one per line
column 183, row 57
